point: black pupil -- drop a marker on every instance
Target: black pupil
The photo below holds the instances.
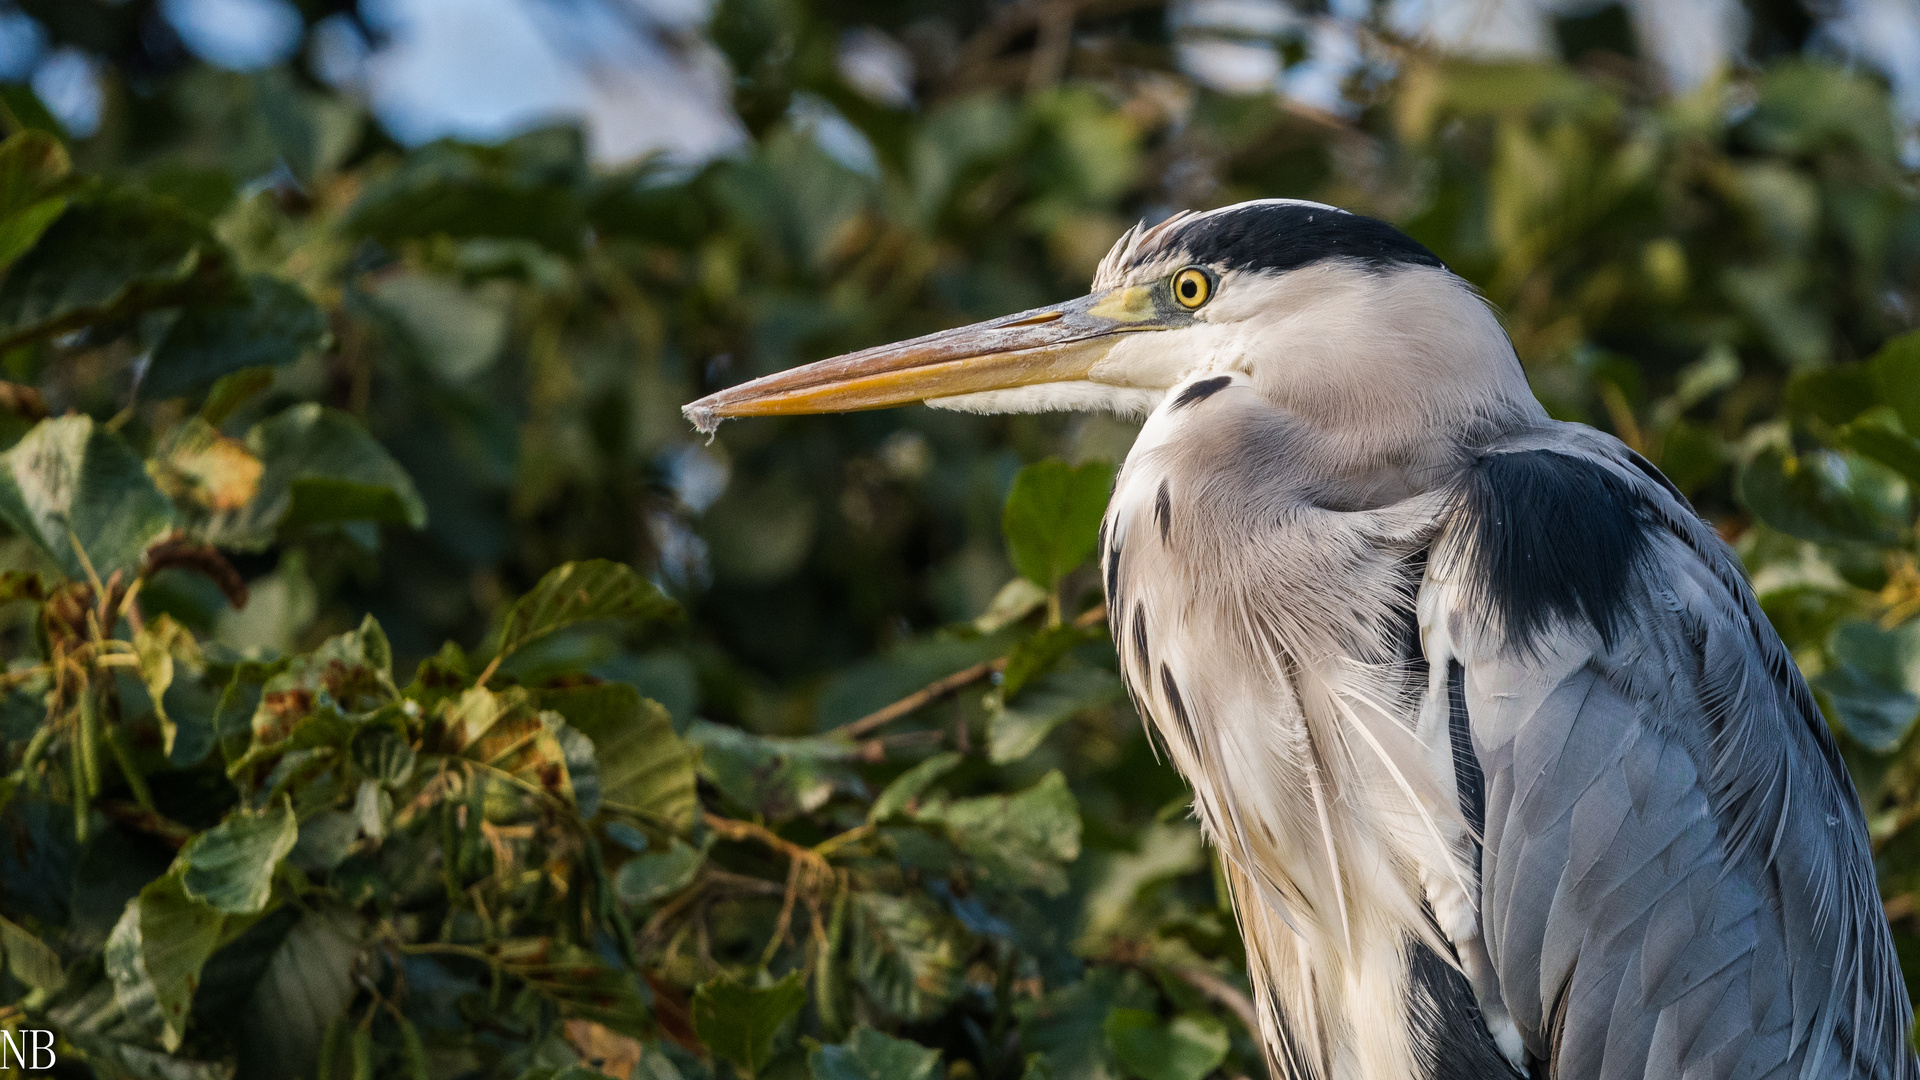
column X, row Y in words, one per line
column 1188, row 288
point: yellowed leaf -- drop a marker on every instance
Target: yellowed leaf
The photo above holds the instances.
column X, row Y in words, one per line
column 206, row 467
column 603, row 1048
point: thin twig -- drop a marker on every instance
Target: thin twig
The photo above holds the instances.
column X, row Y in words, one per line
column 782, row 924
column 920, row 698
column 941, row 687
column 734, row 829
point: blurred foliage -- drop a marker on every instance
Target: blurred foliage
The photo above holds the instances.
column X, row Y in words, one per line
column 396, row 687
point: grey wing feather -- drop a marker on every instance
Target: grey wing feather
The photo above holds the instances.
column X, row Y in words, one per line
column 1676, row 879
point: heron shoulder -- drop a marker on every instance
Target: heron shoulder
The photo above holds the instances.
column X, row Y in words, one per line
column 1551, row 534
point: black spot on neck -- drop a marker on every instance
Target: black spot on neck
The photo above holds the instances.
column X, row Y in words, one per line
column 1179, row 706
column 1276, row 237
column 1140, row 647
column 1555, row 540
column 1163, row 511
column 1200, row 391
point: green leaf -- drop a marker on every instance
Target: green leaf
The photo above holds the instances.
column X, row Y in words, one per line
column 1895, row 450
column 111, row 255
column 457, row 331
column 1067, row 1024
column 649, row 877
column 908, row 786
column 348, row 675
column 29, row 959
column 1896, row 374
column 738, row 1022
column 307, row 984
column 230, row 867
column 870, row 1055
column 321, row 467
column 1874, row 683
column 1824, row 496
column 1052, row 517
column 70, row 479
column 1022, row 841
column 907, row 953
column 273, row 324
column 1187, row 1048
column 506, row 733
column 578, row 592
column 230, row 392
column 35, row 181
column 1016, row 600
column 644, row 767
column 1037, row 655
column 161, row 645
column 778, row 777
column 530, row 186
column 155, row 954
column 1014, row 731
column 1835, row 395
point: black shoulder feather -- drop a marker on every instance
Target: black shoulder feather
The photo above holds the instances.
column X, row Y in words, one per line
column 1552, row 539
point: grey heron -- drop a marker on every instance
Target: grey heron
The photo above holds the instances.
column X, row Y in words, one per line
column 1509, row 774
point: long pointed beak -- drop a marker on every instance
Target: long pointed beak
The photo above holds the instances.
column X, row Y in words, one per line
column 1051, row 344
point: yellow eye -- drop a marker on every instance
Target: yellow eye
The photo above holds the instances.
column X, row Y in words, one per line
column 1192, row 287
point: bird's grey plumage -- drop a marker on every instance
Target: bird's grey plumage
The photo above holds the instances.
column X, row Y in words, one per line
column 1660, row 868
column 1508, row 773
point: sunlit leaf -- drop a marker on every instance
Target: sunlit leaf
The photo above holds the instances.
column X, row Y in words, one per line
column 230, row 867
column 199, row 466
column 35, row 182
column 155, row 954
column 1015, row 601
column 738, row 1022
column 582, row 592
column 644, row 768
column 160, row 645
column 72, row 480
column 506, row 733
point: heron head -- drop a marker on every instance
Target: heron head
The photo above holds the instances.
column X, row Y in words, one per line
column 1325, row 311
